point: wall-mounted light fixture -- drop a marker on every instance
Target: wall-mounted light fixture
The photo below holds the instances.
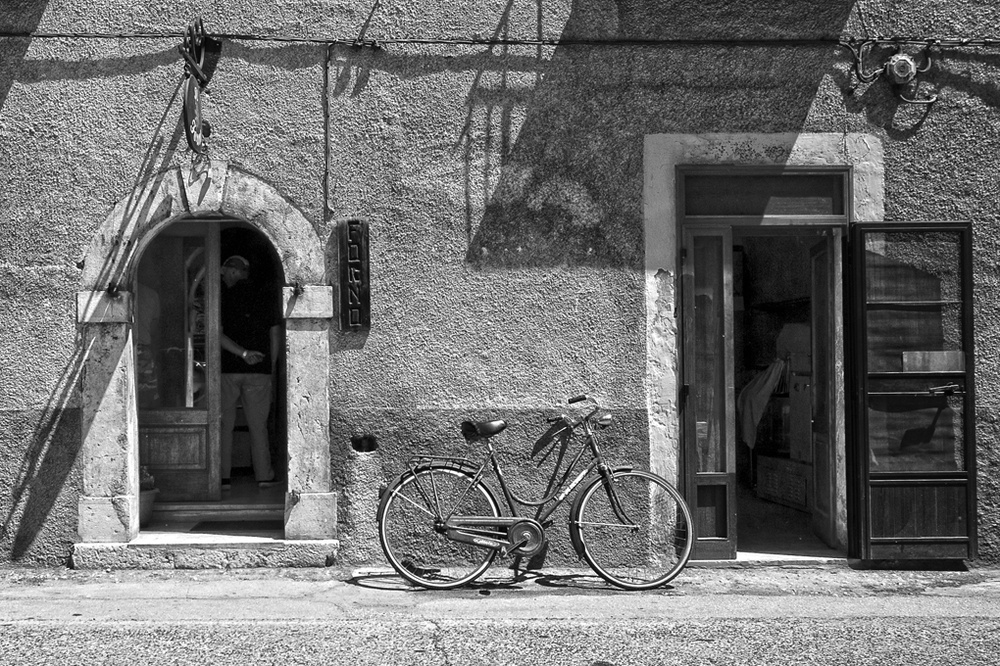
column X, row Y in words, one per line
column 900, row 68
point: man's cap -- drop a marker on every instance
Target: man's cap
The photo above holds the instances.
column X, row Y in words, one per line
column 236, row 261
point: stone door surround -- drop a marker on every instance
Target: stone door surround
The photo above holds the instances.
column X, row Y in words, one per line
column 109, row 504
column 662, row 153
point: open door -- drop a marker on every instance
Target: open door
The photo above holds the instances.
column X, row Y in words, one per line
column 177, row 350
column 707, row 394
column 913, row 407
column 827, row 338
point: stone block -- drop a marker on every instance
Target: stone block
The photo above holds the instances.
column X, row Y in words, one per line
column 308, row 406
column 278, row 554
column 100, row 307
column 203, row 186
column 313, row 302
column 310, row 516
column 108, row 519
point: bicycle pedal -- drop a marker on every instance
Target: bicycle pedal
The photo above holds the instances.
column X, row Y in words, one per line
column 508, row 550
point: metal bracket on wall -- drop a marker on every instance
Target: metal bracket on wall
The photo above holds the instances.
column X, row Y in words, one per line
column 192, row 50
column 900, row 68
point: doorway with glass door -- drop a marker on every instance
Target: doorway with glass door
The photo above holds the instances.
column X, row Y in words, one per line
column 763, row 420
column 762, row 357
column 181, row 349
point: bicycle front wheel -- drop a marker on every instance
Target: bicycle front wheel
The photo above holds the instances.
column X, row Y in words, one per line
column 635, row 529
column 411, row 516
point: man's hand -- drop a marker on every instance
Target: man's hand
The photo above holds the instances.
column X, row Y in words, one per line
column 253, row 357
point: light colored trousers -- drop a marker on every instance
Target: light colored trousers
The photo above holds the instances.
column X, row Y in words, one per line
column 255, row 392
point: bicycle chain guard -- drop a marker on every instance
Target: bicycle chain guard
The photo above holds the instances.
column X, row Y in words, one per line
column 528, row 537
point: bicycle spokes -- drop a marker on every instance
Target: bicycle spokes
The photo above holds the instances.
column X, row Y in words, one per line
column 414, row 536
column 635, row 534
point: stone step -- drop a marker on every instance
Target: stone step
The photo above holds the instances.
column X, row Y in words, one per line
column 181, row 550
column 195, row 511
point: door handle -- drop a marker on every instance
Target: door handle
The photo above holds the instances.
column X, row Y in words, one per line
column 947, row 389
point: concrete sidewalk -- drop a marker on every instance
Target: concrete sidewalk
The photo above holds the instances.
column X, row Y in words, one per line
column 376, row 593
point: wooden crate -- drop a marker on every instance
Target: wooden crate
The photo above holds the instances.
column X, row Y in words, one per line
column 784, row 481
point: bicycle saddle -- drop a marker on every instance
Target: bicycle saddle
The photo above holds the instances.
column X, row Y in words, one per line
column 472, row 430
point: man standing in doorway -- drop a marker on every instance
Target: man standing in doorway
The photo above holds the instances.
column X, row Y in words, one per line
column 250, row 339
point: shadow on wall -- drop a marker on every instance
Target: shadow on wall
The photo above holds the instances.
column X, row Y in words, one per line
column 47, row 464
column 23, row 17
column 54, row 441
column 569, row 190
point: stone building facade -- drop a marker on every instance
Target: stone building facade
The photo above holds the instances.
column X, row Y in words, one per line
column 539, row 183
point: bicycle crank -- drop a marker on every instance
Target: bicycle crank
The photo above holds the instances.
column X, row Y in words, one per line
column 526, row 538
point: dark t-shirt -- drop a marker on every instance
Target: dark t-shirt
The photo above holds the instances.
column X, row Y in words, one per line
column 248, row 313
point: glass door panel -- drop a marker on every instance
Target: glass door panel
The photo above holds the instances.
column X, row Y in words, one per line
column 177, row 361
column 708, row 400
column 914, row 348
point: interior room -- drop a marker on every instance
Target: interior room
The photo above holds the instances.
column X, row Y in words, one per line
column 774, row 393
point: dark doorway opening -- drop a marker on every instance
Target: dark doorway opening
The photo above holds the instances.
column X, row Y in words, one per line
column 779, row 438
column 242, row 507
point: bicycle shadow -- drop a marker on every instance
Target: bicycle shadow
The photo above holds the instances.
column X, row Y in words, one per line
column 389, row 580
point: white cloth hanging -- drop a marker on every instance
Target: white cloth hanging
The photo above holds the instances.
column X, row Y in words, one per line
column 753, row 400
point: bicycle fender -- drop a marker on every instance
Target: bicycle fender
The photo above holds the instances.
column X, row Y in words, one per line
column 459, row 465
column 574, row 514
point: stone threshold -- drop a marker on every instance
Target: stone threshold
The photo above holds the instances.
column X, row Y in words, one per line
column 751, row 560
column 183, row 550
column 190, row 512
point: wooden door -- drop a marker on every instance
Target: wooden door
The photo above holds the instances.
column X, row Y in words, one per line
column 708, row 394
column 914, row 407
column 827, row 407
column 176, row 332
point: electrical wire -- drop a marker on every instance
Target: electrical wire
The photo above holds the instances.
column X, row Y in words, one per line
column 848, row 42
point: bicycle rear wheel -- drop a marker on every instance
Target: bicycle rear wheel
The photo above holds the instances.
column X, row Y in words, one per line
column 646, row 542
column 411, row 516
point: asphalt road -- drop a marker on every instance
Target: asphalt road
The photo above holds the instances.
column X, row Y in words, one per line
column 798, row 615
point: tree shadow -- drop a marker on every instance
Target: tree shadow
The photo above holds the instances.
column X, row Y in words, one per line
column 569, row 188
column 24, row 17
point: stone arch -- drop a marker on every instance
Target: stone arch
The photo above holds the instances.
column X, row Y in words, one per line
column 108, row 507
column 215, row 189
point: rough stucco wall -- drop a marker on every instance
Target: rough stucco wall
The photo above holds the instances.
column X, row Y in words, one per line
column 986, row 250
column 39, row 420
column 469, row 323
column 81, row 122
column 503, row 186
column 553, row 143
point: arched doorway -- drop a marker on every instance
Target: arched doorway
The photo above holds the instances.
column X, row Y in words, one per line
column 211, row 424
column 216, row 194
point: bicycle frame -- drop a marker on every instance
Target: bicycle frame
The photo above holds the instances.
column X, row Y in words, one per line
column 485, row 530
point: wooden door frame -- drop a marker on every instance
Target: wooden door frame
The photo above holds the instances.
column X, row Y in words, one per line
column 792, row 223
column 833, row 529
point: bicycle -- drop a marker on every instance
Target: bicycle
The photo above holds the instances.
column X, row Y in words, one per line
column 440, row 525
